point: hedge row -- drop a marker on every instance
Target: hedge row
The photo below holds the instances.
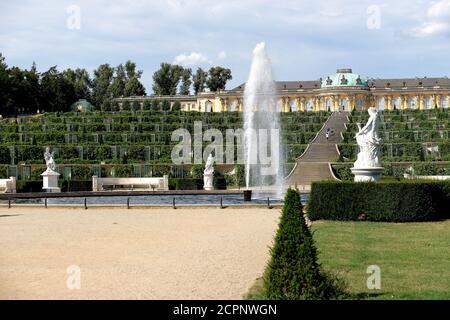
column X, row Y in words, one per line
column 382, row 201
column 65, row 185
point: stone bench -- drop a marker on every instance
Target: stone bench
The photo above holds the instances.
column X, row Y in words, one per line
column 8, row 185
column 110, row 184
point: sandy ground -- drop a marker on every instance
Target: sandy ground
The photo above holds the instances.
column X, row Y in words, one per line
column 133, row 254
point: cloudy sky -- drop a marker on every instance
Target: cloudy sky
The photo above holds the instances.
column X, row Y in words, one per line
column 306, row 40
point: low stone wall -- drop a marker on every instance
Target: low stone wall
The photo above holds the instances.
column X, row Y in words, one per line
column 153, row 183
column 411, row 176
column 8, row 185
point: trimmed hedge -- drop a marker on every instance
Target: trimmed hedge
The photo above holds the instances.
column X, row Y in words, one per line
column 382, row 201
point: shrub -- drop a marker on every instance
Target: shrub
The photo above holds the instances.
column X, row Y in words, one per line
column 29, row 185
column 76, row 185
column 176, row 106
column 185, row 184
column 293, row 272
column 122, row 171
column 382, row 201
column 197, row 171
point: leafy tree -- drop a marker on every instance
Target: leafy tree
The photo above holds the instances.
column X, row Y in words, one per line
column 147, row 105
column 218, row 77
column 197, row 171
column 155, row 105
column 117, row 87
column 103, row 77
column 199, row 80
column 81, row 82
column 57, row 93
column 186, row 81
column 176, row 106
column 134, row 87
column 166, row 79
column 4, row 85
column 165, row 105
column 293, row 272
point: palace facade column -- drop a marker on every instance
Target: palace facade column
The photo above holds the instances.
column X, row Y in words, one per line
column 353, row 103
column 387, row 101
column 224, row 104
column 403, row 103
column 239, row 104
column 438, row 101
column 286, row 104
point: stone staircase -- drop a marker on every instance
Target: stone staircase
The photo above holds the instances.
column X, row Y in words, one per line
column 313, row 164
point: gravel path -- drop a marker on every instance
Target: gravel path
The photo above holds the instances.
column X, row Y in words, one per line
column 133, row 254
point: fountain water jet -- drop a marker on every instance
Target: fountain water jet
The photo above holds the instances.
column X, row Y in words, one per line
column 261, row 115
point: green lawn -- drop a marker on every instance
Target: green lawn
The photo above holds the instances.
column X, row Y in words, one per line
column 414, row 258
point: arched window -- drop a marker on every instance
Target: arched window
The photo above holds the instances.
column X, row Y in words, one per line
column 329, row 104
column 279, row 105
column 309, row 105
column 380, row 103
column 233, row 104
column 444, row 102
column 428, row 102
column 359, row 104
column 293, row 104
column 413, row 103
column 208, row 106
column 397, row 103
column 344, row 104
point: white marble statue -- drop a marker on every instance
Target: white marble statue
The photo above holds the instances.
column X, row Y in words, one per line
column 208, row 173
column 48, row 156
column 369, row 142
column 367, row 166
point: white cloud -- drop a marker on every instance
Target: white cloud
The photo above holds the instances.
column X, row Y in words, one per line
column 222, row 55
column 437, row 21
column 194, row 58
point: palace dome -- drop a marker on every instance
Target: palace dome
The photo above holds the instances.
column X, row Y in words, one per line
column 343, row 78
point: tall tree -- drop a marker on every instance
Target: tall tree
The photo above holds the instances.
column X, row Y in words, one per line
column 218, row 77
column 166, row 79
column 117, row 87
column 102, row 80
column 3, row 85
column 134, row 87
column 186, row 81
column 57, row 93
column 81, row 81
column 199, row 80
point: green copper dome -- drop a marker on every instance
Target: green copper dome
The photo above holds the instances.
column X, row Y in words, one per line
column 343, row 78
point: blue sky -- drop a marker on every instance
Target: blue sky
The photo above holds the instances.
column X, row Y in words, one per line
column 306, row 40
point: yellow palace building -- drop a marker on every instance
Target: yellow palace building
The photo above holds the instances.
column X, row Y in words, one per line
column 343, row 90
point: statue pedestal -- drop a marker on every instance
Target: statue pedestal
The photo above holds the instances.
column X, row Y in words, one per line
column 367, row 174
column 208, row 181
column 50, row 183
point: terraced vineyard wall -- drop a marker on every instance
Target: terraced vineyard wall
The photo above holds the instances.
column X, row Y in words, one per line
column 411, row 138
column 127, row 143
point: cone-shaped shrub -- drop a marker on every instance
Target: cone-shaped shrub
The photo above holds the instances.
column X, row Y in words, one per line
column 293, row 272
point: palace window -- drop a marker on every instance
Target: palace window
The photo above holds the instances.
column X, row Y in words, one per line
column 233, row 104
column 428, row 102
column 359, row 104
column 444, row 102
column 309, row 105
column 293, row 104
column 380, row 103
column 413, row 103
